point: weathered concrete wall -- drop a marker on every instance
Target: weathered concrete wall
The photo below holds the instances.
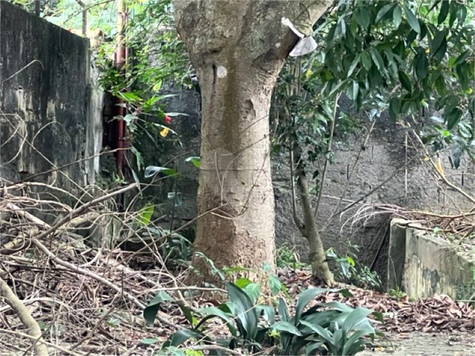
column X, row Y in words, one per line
column 381, row 159
column 94, row 126
column 423, row 264
column 396, row 255
column 45, row 93
column 386, row 152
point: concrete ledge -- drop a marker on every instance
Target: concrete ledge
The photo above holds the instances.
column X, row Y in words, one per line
column 423, row 264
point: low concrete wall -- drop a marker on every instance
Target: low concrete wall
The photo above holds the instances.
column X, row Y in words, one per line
column 423, row 264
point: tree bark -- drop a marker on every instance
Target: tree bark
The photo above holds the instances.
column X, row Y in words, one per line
column 309, row 228
column 238, row 48
column 25, row 317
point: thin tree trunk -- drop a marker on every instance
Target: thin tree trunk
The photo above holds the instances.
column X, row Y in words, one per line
column 308, row 227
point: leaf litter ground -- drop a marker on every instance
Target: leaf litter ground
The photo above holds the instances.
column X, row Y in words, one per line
column 430, row 326
column 89, row 301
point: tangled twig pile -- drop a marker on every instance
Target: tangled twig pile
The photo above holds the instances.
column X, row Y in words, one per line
column 59, row 297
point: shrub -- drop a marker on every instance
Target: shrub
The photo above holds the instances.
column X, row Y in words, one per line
column 329, row 328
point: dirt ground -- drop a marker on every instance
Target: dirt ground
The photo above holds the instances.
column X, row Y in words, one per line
column 426, row 344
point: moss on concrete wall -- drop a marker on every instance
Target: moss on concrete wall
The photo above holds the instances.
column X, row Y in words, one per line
column 44, row 95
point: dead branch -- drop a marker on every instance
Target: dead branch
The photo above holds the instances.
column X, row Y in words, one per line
column 83, row 208
column 87, row 273
column 93, row 330
column 349, row 206
column 22, row 69
column 25, row 317
column 440, row 174
column 27, row 215
column 363, row 147
column 36, row 241
column 56, row 169
column 84, row 282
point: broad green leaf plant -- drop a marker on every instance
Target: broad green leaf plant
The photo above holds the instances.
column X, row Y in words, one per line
column 329, row 328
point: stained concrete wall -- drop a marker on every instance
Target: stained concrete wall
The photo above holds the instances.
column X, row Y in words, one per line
column 385, row 155
column 49, row 109
column 423, row 264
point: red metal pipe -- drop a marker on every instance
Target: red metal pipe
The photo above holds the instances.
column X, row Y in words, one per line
column 120, row 133
column 120, row 59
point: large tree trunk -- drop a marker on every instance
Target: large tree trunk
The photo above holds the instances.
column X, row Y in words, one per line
column 238, row 48
column 235, row 167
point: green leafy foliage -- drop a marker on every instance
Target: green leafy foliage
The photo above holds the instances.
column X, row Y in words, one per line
column 196, row 161
column 145, row 214
column 151, row 171
column 174, row 248
column 157, row 59
column 150, row 312
column 397, row 293
column 287, row 257
column 240, row 314
column 329, row 328
column 242, row 307
column 412, row 58
column 26, row 4
column 347, row 269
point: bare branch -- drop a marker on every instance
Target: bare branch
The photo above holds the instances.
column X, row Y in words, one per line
column 25, row 317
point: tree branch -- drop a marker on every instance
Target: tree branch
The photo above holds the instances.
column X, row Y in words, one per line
column 440, row 174
column 297, row 220
column 327, row 158
column 24, row 315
